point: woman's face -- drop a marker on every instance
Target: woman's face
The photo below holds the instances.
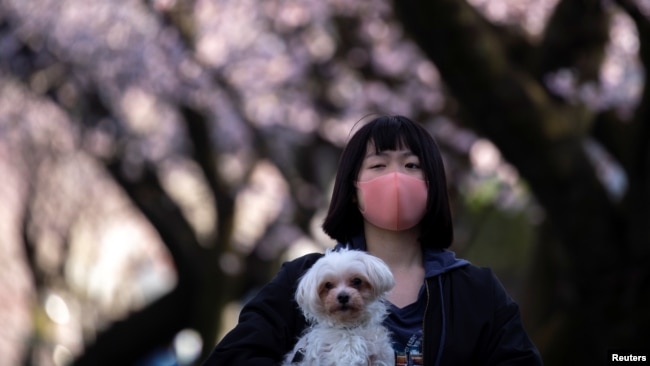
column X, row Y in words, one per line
column 397, row 202
column 389, row 161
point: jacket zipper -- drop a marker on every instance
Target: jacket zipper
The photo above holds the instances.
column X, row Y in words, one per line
column 424, row 317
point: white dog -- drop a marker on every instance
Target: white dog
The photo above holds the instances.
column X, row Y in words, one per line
column 342, row 297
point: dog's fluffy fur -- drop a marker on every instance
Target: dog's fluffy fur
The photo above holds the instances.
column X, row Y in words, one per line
column 343, row 297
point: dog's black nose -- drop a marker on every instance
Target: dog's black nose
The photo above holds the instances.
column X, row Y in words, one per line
column 343, row 298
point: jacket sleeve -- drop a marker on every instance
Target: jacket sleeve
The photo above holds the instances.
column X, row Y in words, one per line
column 269, row 324
column 508, row 343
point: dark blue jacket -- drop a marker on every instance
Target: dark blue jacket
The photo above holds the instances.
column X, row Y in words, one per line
column 470, row 320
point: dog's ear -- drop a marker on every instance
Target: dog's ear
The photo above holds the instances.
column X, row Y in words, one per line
column 379, row 274
column 307, row 293
column 301, row 291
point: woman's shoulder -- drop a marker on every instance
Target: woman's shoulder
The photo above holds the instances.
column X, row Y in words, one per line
column 300, row 264
column 475, row 272
column 475, row 277
column 304, row 260
column 479, row 282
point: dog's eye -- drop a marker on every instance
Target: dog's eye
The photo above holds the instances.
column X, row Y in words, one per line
column 329, row 285
column 356, row 282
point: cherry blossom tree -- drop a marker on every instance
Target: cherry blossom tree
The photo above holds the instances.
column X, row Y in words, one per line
column 161, row 158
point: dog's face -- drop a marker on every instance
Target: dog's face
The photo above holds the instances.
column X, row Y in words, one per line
column 341, row 288
column 343, row 296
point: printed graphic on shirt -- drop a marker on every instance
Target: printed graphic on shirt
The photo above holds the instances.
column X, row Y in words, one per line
column 411, row 354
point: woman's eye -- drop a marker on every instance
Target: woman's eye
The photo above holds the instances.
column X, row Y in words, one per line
column 375, row 166
column 413, row 166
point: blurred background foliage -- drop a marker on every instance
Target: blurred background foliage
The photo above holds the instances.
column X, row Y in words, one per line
column 161, row 158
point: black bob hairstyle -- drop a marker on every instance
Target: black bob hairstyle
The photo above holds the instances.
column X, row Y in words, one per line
column 344, row 221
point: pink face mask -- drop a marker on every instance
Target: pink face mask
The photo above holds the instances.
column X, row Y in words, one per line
column 393, row 201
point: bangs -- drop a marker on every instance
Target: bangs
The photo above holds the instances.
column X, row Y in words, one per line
column 391, row 134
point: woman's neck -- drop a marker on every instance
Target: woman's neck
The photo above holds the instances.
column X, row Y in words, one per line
column 402, row 253
column 399, row 249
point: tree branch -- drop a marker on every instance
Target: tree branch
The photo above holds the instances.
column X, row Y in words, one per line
column 203, row 152
column 615, row 135
column 147, row 194
column 641, row 141
column 575, row 37
column 126, row 342
column 453, row 35
column 541, row 137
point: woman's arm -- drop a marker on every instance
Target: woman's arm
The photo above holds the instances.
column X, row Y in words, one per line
column 268, row 325
column 508, row 343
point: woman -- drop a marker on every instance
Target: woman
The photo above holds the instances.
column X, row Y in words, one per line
column 390, row 199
